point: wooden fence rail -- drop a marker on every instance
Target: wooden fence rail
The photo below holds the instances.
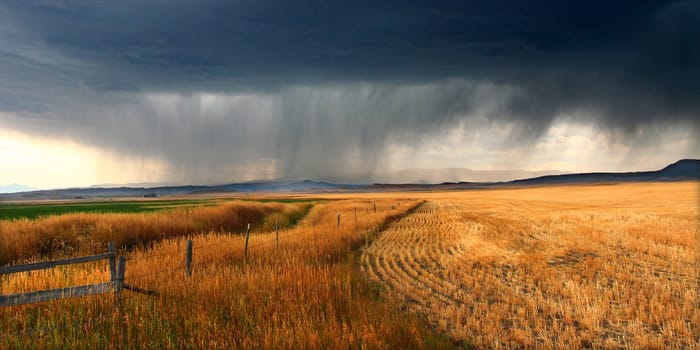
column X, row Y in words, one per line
column 117, row 267
column 115, row 284
column 54, row 294
column 4, row 270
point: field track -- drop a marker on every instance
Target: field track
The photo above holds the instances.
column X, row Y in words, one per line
column 546, row 273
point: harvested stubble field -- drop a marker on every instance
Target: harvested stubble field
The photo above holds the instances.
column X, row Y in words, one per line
column 607, row 266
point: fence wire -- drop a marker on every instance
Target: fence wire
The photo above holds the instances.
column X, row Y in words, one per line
column 254, row 244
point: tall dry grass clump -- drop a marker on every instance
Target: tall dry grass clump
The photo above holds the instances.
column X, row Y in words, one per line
column 87, row 233
column 305, row 293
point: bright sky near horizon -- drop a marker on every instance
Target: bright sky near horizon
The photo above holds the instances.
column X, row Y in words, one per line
column 112, row 92
column 60, row 163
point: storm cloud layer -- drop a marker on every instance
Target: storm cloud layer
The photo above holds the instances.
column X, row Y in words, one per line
column 316, row 88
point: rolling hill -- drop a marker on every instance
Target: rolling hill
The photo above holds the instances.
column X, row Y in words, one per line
column 685, row 169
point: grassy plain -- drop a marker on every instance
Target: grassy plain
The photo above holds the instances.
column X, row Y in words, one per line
column 308, row 293
column 87, row 233
column 604, row 266
column 12, row 211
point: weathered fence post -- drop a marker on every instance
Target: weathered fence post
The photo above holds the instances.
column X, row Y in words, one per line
column 355, row 215
column 247, row 236
column 277, row 233
column 188, row 258
column 113, row 277
column 338, row 220
column 375, row 207
column 112, row 262
column 119, row 285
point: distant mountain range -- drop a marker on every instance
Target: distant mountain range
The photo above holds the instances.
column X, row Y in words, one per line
column 686, row 169
column 438, row 176
column 246, row 187
column 13, row 188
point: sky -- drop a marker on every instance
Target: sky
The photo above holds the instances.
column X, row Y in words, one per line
column 207, row 92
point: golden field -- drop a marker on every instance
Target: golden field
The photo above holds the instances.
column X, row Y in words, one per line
column 88, row 233
column 308, row 293
column 610, row 266
column 605, row 266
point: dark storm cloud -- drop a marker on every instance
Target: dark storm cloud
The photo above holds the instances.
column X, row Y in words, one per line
column 341, row 77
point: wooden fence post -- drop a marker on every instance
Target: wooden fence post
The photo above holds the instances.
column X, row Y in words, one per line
column 355, row 215
column 112, row 262
column 375, row 207
column 338, row 220
column 113, row 270
column 247, row 236
column 188, row 258
column 277, row 233
column 119, row 288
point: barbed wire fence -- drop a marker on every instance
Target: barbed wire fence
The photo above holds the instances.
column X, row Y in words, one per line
column 137, row 284
column 238, row 254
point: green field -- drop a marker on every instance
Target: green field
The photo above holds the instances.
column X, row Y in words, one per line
column 34, row 210
column 12, row 211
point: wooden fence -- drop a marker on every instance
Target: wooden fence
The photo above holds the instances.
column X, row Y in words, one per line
column 116, row 285
column 117, row 267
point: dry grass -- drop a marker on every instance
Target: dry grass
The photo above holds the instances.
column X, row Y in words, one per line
column 87, row 233
column 552, row 267
column 555, row 267
column 306, row 294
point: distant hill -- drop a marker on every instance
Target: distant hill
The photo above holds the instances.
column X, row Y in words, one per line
column 105, row 192
column 438, row 176
column 13, row 188
column 137, row 185
column 685, row 169
column 278, row 186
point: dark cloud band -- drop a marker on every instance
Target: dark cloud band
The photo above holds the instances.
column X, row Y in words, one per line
column 344, row 76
